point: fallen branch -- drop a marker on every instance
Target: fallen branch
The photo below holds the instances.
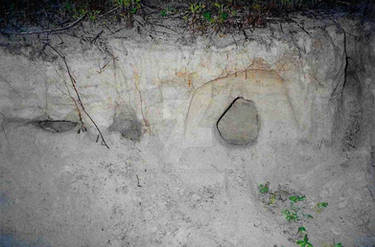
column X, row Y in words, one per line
column 73, row 81
column 109, row 12
column 50, row 30
column 96, row 37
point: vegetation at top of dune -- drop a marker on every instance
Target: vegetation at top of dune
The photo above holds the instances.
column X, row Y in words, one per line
column 218, row 14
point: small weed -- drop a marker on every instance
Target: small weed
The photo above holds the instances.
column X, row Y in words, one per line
column 167, row 11
column 290, row 215
column 297, row 198
column 196, row 8
column 333, row 245
column 132, row 6
column 222, row 13
column 304, row 242
column 208, row 16
column 264, row 188
column 301, row 229
column 272, row 199
column 322, row 204
column 68, row 6
column 295, row 213
column 308, row 216
column 93, row 15
column 78, row 13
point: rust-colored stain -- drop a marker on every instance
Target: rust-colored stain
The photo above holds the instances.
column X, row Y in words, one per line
column 136, row 84
column 181, row 74
column 286, row 63
column 187, row 76
column 259, row 64
column 258, row 76
column 282, row 66
column 317, row 44
column 256, row 72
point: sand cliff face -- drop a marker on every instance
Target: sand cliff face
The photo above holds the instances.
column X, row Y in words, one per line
column 314, row 93
column 162, row 82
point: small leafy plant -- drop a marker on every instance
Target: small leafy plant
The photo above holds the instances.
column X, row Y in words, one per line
column 208, row 16
column 295, row 212
column 167, row 11
column 304, row 242
column 264, row 188
column 295, row 199
column 322, row 204
column 196, row 8
column 93, row 15
column 290, row 215
column 301, row 229
column 222, row 14
column 333, row 245
column 131, row 6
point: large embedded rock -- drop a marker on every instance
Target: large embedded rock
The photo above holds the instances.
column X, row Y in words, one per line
column 239, row 124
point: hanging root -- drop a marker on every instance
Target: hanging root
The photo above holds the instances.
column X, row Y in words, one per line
column 74, row 85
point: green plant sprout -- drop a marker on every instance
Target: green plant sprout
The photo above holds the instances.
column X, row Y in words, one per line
column 68, row 6
column 136, row 6
column 93, row 15
column 272, row 199
column 264, row 188
column 295, row 212
column 304, row 242
column 207, row 16
column 290, row 215
column 322, row 204
column 297, row 198
column 131, row 5
column 301, row 229
column 196, row 8
column 223, row 15
column 308, row 216
column 333, row 245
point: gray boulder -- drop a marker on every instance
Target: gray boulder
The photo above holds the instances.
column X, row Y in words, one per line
column 239, row 124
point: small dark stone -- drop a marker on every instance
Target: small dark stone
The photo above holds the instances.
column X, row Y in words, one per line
column 56, row 126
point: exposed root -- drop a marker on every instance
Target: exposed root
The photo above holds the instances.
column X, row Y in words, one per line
column 79, row 101
column 57, row 30
column 145, row 121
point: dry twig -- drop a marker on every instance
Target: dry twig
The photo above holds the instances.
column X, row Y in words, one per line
column 73, row 81
column 50, row 30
